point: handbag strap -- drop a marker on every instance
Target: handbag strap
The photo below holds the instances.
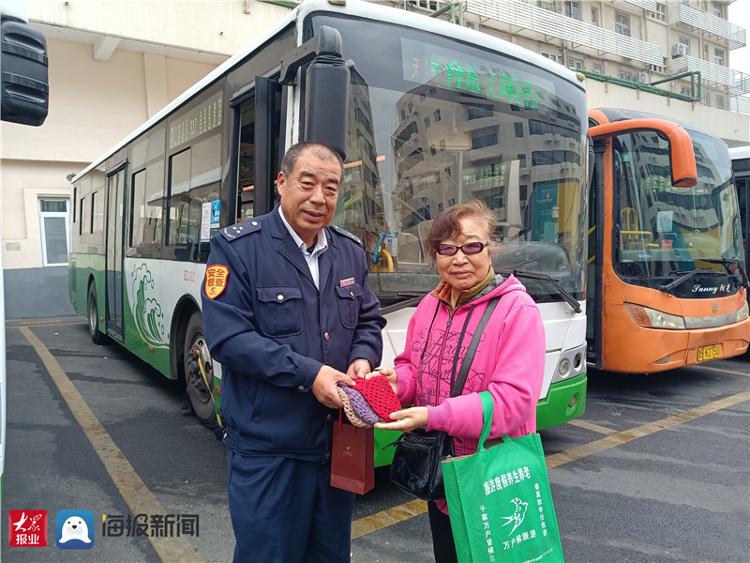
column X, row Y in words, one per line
column 488, row 407
column 458, row 386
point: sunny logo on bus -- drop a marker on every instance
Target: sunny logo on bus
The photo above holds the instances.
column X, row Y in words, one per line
column 216, row 280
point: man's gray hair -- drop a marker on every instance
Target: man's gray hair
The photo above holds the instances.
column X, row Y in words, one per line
column 321, row 150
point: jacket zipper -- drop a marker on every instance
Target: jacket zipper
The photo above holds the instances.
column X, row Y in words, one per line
column 440, row 357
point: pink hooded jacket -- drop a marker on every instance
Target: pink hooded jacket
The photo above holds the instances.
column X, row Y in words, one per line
column 509, row 362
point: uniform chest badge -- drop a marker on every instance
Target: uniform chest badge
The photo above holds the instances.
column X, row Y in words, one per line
column 216, row 280
column 347, row 282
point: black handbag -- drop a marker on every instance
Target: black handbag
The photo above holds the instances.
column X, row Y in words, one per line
column 415, row 468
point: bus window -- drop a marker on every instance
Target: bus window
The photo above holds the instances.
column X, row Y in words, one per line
column 246, row 165
column 147, row 195
column 195, row 177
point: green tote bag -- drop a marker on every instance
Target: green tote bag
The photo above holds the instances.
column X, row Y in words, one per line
column 499, row 500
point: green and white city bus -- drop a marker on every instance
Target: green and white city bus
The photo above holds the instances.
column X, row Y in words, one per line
column 437, row 114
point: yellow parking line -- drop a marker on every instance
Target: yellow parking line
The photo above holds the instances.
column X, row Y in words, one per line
column 398, row 514
column 47, row 322
column 389, row 517
column 727, row 371
column 132, row 488
column 588, row 425
column 620, row 438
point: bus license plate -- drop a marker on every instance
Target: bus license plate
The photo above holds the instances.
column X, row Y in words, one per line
column 709, row 352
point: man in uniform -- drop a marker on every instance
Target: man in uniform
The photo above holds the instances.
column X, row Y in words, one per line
column 288, row 313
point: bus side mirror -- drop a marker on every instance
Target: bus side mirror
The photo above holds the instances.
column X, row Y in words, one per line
column 24, row 84
column 327, row 87
column 681, row 155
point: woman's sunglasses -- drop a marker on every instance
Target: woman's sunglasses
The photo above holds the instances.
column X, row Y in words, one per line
column 469, row 249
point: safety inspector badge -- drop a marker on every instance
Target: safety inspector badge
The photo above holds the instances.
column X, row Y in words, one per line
column 216, row 280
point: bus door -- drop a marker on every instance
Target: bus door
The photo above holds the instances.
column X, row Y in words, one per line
column 683, row 173
column 256, row 147
column 114, row 252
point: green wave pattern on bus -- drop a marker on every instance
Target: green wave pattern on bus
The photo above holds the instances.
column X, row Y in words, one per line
column 147, row 312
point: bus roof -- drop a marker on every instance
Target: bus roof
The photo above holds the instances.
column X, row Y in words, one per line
column 739, row 153
column 619, row 114
column 357, row 8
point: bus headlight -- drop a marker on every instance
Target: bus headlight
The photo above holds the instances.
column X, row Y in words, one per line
column 651, row 318
column 563, row 367
column 742, row 314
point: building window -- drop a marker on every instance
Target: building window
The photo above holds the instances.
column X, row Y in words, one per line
column 576, row 63
column 518, row 126
column 661, row 11
column 685, row 41
column 551, row 56
column 685, row 90
column 547, row 5
column 595, row 15
column 622, row 24
column 436, row 115
column 719, row 57
column 720, row 102
column 598, row 66
column 625, row 75
column 485, row 137
column 573, row 10
column 53, row 218
column 718, row 9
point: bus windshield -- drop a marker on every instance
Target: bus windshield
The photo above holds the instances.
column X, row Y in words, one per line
column 662, row 231
column 434, row 122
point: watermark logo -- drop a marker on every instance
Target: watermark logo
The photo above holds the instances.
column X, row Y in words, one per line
column 74, row 529
column 27, row 528
column 150, row 525
column 518, row 514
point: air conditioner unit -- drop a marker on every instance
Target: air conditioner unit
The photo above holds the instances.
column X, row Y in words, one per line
column 473, row 25
column 643, row 78
column 679, row 50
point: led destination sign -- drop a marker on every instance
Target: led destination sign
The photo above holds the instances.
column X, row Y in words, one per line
column 202, row 119
column 425, row 63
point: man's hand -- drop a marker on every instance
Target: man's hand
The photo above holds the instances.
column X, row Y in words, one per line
column 359, row 368
column 324, row 386
column 406, row 420
column 389, row 374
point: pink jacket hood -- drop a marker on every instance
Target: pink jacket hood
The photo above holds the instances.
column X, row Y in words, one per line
column 509, row 363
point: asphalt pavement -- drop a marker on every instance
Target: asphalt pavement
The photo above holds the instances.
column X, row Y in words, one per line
column 658, row 469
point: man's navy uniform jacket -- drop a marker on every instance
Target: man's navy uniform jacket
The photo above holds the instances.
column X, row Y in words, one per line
column 272, row 329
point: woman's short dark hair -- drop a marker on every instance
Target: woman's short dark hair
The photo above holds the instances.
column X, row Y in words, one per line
column 447, row 225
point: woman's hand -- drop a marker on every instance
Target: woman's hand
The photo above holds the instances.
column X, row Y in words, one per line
column 389, row 374
column 406, row 420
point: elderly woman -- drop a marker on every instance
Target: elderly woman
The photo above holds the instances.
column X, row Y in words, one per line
column 509, row 361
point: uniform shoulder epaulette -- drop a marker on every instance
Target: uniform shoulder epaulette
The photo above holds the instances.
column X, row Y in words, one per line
column 347, row 234
column 233, row 232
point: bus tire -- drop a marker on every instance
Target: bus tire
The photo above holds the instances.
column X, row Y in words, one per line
column 93, row 317
column 201, row 400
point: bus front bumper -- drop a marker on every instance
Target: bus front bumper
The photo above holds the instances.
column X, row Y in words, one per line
column 565, row 401
column 660, row 350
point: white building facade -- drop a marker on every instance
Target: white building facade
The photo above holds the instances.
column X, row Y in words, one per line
column 115, row 63
column 112, row 65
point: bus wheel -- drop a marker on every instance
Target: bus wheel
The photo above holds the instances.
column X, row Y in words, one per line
column 199, row 373
column 93, row 314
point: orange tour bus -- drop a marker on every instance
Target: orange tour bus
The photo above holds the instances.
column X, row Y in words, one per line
column 666, row 273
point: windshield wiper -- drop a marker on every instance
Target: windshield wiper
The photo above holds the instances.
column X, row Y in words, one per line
column 561, row 291
column 726, row 262
column 410, row 300
column 685, row 277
